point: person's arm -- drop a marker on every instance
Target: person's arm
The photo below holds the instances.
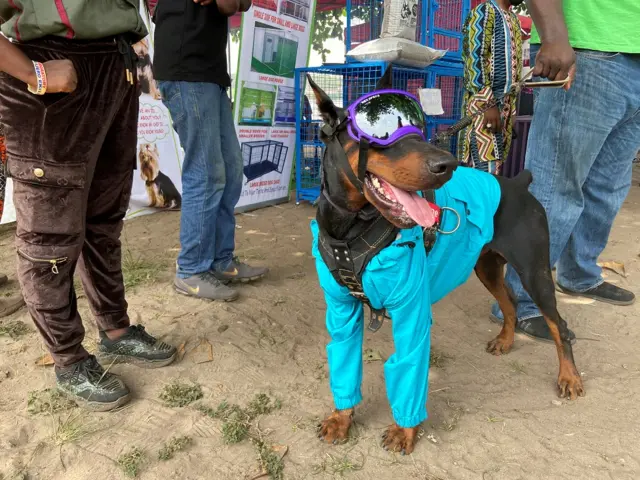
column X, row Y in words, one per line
column 556, row 59
column 16, row 63
column 61, row 74
column 245, row 5
column 477, row 66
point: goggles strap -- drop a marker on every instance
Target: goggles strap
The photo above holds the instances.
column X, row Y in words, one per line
column 362, row 161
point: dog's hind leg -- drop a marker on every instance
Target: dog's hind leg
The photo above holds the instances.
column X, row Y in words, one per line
column 522, row 238
column 490, row 271
column 538, row 283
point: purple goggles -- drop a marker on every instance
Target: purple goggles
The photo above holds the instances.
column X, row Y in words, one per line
column 384, row 116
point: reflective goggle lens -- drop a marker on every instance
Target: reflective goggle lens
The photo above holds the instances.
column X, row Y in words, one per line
column 380, row 116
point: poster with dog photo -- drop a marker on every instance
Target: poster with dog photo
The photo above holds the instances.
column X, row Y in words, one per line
column 156, row 184
column 274, row 42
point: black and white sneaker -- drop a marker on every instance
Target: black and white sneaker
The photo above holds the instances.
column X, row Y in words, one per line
column 136, row 347
column 91, row 387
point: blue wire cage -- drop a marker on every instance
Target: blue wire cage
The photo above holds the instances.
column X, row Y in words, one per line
column 345, row 83
column 439, row 23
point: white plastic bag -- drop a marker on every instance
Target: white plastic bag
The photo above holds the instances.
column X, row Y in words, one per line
column 396, row 50
column 400, row 19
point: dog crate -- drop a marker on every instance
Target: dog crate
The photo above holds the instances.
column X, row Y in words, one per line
column 344, row 84
column 439, row 23
column 286, row 106
column 448, row 78
column 262, row 157
column 274, row 51
column 298, row 9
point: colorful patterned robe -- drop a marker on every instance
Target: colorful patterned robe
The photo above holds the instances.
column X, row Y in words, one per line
column 492, row 56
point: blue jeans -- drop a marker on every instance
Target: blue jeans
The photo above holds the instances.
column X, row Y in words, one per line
column 211, row 174
column 580, row 152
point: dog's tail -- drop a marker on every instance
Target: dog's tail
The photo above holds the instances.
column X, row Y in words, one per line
column 524, row 178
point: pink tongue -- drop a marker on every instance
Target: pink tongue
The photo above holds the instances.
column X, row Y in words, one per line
column 417, row 207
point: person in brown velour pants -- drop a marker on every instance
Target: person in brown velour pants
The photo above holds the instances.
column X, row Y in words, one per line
column 72, row 157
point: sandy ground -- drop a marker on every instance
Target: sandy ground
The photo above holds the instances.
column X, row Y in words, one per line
column 489, row 418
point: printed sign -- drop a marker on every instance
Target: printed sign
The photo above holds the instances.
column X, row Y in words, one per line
column 157, row 181
column 275, row 41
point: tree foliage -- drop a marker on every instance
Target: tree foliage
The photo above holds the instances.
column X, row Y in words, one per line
column 328, row 25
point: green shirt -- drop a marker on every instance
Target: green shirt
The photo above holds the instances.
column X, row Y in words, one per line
column 602, row 25
column 25, row 20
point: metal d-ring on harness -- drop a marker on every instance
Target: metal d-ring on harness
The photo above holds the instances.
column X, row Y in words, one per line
column 347, row 261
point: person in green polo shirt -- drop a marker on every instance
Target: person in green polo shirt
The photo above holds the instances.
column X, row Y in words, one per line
column 582, row 142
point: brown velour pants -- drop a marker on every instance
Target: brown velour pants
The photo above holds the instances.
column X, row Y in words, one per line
column 72, row 157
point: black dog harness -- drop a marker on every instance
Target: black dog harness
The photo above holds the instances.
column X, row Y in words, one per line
column 347, row 260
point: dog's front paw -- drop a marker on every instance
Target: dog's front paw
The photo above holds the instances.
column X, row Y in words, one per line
column 570, row 384
column 335, row 428
column 499, row 346
column 398, row 439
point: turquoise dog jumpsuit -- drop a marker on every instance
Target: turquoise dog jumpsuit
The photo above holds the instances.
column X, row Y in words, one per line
column 405, row 281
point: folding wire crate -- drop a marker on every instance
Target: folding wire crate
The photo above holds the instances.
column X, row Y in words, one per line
column 439, row 26
column 445, row 20
column 262, row 157
column 449, row 80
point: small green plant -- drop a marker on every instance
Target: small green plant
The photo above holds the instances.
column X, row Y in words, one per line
column 131, row 462
column 49, row 400
column 518, row 367
column 176, row 444
column 14, row 329
column 272, row 464
column 180, row 394
column 263, row 405
column 70, row 430
column 437, row 359
column 338, row 466
column 136, row 270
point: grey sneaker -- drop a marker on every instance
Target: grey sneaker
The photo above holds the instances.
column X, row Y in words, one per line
column 205, row 285
column 91, row 387
column 136, row 347
column 239, row 272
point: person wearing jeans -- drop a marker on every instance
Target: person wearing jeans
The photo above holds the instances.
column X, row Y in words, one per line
column 191, row 69
column 580, row 151
column 69, row 105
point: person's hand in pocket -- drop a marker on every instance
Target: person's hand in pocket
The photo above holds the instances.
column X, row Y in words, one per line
column 61, row 76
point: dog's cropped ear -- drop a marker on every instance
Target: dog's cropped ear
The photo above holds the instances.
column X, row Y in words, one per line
column 328, row 110
column 386, row 81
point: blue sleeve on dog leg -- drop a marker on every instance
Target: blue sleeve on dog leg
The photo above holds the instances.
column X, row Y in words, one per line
column 399, row 280
column 345, row 324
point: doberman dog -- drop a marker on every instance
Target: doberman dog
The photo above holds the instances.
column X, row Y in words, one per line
column 355, row 201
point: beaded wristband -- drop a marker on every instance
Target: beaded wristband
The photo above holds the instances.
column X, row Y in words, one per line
column 41, row 76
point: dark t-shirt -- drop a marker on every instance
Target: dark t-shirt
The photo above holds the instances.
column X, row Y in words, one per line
column 190, row 43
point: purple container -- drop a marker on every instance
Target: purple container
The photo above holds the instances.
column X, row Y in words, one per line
column 515, row 160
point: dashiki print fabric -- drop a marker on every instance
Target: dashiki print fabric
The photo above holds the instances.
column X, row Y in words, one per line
column 492, row 56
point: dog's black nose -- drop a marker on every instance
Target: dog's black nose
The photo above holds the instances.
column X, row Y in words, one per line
column 443, row 164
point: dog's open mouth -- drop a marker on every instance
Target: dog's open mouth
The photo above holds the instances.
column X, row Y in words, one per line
column 407, row 207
